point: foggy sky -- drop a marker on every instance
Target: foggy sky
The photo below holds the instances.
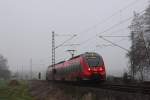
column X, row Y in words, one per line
column 26, row 25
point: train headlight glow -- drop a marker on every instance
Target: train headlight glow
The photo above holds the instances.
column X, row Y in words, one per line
column 89, row 69
column 101, row 69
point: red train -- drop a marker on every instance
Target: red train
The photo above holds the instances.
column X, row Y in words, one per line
column 87, row 66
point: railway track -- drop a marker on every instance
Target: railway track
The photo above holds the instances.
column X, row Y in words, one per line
column 129, row 88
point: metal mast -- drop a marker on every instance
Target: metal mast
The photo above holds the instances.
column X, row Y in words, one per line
column 53, row 52
column 31, row 68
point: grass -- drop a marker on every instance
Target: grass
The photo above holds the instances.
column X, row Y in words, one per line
column 2, row 83
column 19, row 92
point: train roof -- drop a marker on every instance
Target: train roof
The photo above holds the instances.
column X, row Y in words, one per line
column 60, row 62
column 75, row 57
column 84, row 54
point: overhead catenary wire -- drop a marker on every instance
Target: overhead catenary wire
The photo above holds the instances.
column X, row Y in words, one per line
column 110, row 28
column 65, row 42
column 113, row 43
column 116, row 25
column 112, row 15
column 71, row 44
column 115, row 36
column 88, row 40
column 64, row 35
column 109, row 17
column 103, row 21
column 118, row 31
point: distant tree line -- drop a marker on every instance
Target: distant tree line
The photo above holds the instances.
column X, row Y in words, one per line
column 139, row 55
column 4, row 71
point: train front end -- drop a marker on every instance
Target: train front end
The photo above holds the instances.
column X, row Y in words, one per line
column 95, row 68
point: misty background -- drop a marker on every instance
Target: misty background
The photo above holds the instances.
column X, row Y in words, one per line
column 26, row 26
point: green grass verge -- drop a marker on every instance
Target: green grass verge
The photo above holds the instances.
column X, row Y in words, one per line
column 19, row 92
column 3, row 83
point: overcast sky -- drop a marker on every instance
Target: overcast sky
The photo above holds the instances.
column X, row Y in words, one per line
column 26, row 25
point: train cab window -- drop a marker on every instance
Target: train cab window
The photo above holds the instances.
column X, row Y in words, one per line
column 94, row 61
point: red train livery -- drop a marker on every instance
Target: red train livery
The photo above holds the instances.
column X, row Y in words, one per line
column 87, row 66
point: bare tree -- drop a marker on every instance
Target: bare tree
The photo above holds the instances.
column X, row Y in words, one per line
column 139, row 55
column 135, row 52
column 4, row 72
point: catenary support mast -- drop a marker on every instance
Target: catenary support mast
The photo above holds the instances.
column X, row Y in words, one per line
column 53, row 54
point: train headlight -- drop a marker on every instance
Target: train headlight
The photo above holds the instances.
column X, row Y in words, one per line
column 101, row 69
column 89, row 69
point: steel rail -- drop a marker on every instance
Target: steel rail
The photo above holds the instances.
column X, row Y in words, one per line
column 128, row 88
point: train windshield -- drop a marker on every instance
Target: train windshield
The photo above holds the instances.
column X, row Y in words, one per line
column 94, row 61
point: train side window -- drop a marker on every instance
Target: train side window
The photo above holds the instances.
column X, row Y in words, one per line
column 80, row 68
column 77, row 67
column 74, row 67
column 70, row 68
column 67, row 70
column 60, row 71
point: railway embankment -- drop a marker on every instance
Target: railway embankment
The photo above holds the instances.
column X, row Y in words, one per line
column 43, row 90
column 14, row 90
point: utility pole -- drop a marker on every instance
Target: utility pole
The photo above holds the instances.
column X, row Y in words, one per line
column 53, row 55
column 22, row 72
column 39, row 75
column 31, row 68
column 17, row 75
column 54, row 48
